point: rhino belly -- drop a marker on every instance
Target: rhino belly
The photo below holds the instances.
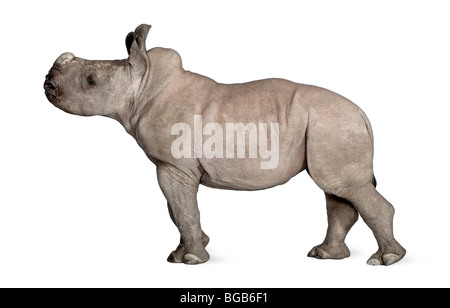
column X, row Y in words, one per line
column 247, row 174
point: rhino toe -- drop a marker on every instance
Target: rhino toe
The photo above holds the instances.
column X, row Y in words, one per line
column 330, row 251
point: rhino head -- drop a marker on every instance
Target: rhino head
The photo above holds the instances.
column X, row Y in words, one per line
column 86, row 87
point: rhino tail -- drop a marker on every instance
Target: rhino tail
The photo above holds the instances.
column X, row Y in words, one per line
column 370, row 132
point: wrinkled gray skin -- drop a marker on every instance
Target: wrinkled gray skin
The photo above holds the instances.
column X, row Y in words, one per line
column 319, row 130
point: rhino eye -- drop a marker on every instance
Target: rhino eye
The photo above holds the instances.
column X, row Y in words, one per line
column 90, row 80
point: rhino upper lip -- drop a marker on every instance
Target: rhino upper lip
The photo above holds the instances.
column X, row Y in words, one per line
column 51, row 95
column 51, row 88
column 49, row 85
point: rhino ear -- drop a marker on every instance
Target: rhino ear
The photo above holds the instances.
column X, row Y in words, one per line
column 129, row 41
column 135, row 42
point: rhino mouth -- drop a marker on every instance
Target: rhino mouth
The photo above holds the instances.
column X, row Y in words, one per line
column 51, row 97
column 51, row 89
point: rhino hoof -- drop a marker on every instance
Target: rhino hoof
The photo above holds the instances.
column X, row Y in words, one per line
column 373, row 262
column 379, row 258
column 327, row 251
column 391, row 258
column 190, row 258
column 173, row 258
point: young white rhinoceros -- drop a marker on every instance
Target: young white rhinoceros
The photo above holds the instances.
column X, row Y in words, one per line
column 198, row 131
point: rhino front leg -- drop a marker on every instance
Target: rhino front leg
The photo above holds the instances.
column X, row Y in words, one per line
column 177, row 255
column 180, row 191
column 341, row 217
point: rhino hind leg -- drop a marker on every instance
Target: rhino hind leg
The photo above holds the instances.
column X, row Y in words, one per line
column 378, row 214
column 341, row 217
column 340, row 161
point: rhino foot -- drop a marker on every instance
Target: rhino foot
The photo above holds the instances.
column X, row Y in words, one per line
column 387, row 258
column 188, row 258
column 180, row 255
column 330, row 251
column 176, row 256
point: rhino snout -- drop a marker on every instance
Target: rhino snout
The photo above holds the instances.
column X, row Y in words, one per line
column 51, row 85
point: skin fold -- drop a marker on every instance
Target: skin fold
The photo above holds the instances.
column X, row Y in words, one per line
column 317, row 130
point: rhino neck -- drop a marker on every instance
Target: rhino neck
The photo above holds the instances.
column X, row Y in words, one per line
column 164, row 65
column 165, row 70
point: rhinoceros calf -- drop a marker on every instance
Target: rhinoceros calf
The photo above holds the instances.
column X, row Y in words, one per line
column 198, row 131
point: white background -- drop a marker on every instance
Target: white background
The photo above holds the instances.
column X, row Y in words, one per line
column 79, row 201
